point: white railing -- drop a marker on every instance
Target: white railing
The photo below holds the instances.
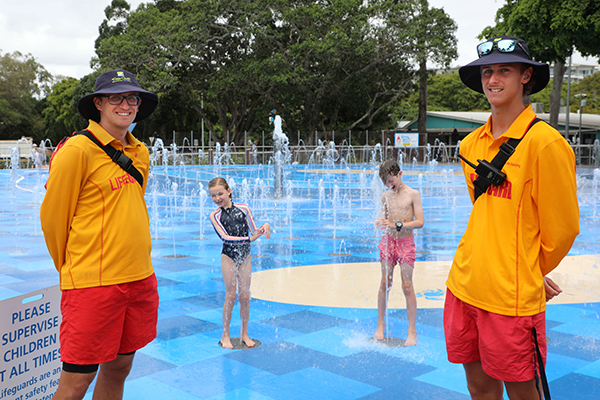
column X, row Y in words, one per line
column 585, row 155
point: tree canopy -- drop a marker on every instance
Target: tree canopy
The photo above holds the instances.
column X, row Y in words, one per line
column 448, row 93
column 325, row 65
column 60, row 115
column 591, row 87
column 23, row 82
column 434, row 34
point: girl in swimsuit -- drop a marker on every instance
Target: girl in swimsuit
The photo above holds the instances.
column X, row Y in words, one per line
column 234, row 223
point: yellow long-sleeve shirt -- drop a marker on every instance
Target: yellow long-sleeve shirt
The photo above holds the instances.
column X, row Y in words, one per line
column 520, row 231
column 94, row 215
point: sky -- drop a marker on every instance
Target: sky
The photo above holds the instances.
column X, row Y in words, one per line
column 60, row 34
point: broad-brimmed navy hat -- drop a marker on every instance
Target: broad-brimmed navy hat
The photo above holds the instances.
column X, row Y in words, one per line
column 115, row 82
column 471, row 76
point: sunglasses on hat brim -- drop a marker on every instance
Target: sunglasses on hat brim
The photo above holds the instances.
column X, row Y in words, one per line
column 503, row 46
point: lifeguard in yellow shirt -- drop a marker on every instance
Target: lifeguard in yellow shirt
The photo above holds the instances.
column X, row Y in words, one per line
column 520, row 228
column 96, row 228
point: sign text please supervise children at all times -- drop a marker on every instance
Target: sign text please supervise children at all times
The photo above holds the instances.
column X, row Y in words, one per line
column 29, row 345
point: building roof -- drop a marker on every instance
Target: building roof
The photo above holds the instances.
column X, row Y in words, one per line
column 465, row 121
column 588, row 121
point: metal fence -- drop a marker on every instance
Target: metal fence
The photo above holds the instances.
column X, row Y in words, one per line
column 330, row 154
column 586, row 155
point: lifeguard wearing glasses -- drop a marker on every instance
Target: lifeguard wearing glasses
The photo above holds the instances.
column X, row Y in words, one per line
column 117, row 99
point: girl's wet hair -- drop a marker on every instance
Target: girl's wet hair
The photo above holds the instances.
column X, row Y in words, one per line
column 219, row 182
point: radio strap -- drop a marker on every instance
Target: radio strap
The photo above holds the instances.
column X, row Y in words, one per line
column 117, row 156
column 506, row 150
column 539, row 362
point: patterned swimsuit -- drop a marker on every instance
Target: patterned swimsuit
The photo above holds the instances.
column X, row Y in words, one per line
column 233, row 225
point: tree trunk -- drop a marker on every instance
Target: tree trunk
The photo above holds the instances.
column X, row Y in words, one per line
column 422, row 124
column 557, row 82
column 209, row 124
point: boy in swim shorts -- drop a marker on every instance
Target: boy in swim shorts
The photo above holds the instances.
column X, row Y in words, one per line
column 403, row 212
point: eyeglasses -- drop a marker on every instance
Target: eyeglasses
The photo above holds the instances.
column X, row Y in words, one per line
column 503, row 46
column 117, row 99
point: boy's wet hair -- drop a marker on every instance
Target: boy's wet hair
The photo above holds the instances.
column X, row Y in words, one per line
column 219, row 182
column 388, row 167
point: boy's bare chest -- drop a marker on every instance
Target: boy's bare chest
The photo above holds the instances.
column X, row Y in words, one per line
column 399, row 203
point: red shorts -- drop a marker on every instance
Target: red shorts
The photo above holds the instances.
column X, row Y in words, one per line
column 100, row 322
column 397, row 250
column 504, row 344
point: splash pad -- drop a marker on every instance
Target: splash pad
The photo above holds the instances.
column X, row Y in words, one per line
column 318, row 340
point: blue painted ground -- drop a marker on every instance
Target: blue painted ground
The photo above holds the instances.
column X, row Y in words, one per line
column 307, row 352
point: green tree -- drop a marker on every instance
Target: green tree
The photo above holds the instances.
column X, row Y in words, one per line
column 446, row 92
column 343, row 71
column 553, row 29
column 435, row 41
column 193, row 49
column 330, row 65
column 22, row 83
column 60, row 114
column 115, row 22
column 590, row 85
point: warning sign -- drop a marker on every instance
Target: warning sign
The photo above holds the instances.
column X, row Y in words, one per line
column 29, row 345
column 406, row 139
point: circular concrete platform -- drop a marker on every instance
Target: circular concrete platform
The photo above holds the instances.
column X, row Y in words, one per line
column 355, row 285
column 239, row 345
column 388, row 341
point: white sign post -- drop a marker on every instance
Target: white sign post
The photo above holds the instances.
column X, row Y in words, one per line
column 29, row 345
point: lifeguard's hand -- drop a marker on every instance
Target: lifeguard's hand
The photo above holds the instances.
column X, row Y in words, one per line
column 552, row 289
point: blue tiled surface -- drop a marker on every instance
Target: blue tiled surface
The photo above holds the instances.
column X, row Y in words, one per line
column 306, row 321
column 576, row 386
column 312, row 383
column 183, row 325
column 226, row 375
column 307, row 352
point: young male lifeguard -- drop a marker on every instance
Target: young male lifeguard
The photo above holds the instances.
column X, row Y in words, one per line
column 519, row 230
column 97, row 231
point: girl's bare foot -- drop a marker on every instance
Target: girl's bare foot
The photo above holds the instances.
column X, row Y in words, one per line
column 226, row 343
column 248, row 342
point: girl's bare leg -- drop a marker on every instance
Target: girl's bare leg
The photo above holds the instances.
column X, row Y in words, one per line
column 245, row 271
column 229, row 272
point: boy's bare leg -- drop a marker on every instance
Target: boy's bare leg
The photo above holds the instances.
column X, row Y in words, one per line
column 387, row 278
column 230, row 280
column 411, row 303
column 245, row 271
